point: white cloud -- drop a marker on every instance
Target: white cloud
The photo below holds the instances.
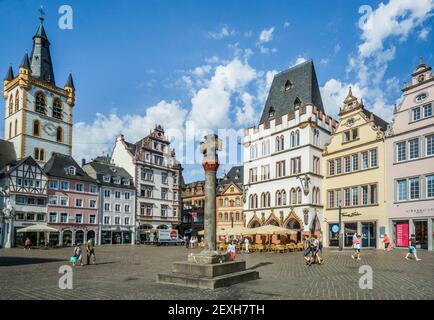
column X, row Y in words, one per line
column 299, row 60
column 247, row 114
column 224, row 32
column 212, row 60
column 266, row 35
column 396, row 18
column 423, row 34
column 211, row 104
column 200, row 71
column 286, row 24
column 324, row 61
column 93, row 139
column 334, row 92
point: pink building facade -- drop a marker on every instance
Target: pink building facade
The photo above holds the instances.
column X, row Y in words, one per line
column 72, row 202
column 410, row 162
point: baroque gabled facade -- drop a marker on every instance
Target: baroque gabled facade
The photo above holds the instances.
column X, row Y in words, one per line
column 38, row 113
column 229, row 199
column 284, row 150
column 354, row 177
column 410, row 162
column 156, row 172
column 193, row 207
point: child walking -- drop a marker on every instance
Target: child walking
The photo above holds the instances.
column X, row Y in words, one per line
column 412, row 248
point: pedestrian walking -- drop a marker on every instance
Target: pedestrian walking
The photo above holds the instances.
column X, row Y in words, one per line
column 90, row 252
column 232, row 249
column 317, row 247
column 307, row 250
column 246, row 244
column 412, row 248
column 77, row 255
column 357, row 247
column 27, row 243
column 386, row 241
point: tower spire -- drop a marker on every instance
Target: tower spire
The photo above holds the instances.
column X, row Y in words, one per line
column 9, row 74
column 41, row 65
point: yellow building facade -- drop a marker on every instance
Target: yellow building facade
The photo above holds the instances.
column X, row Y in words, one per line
column 354, row 178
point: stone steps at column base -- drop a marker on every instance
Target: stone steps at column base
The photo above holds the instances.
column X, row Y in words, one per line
column 194, row 281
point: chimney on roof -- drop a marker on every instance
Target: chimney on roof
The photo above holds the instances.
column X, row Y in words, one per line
column 83, row 162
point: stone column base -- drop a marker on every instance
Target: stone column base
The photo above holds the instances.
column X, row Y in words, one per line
column 208, row 257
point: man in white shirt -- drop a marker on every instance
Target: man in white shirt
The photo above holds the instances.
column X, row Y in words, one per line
column 246, row 243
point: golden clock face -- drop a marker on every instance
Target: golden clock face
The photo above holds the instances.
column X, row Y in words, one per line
column 49, row 129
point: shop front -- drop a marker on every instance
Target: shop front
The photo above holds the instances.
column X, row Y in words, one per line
column 421, row 228
column 116, row 236
column 367, row 229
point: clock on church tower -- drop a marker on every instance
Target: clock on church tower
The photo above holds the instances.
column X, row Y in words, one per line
column 38, row 113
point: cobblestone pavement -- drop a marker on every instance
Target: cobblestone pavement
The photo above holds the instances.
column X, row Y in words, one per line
column 129, row 272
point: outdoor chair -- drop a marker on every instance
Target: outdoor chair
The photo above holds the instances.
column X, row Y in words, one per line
column 300, row 246
column 291, row 247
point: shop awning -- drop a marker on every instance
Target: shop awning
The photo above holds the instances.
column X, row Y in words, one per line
column 38, row 228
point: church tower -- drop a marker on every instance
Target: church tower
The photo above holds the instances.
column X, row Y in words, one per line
column 38, row 114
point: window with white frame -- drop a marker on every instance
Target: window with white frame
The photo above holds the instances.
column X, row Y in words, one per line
column 338, row 166
column 53, row 184
column 79, row 203
column 164, row 211
column 53, row 217
column 107, row 193
column 92, row 204
column 93, row 189
column 415, row 114
column 106, row 178
column 413, row 146
column 401, row 151
column 106, row 220
column 355, row 158
column 414, row 187
column 127, row 221
column 365, row 160
column 52, row 200
column 117, row 207
column 373, row 154
column 64, row 185
column 92, row 219
column 355, row 193
column 79, row 187
column 401, row 190
column 117, row 220
column 117, row 194
column 64, row 218
column 364, row 195
column 347, row 164
column 347, row 199
column 430, row 186
column 106, row 206
column 127, row 195
column 79, row 218
column 64, row 201
column 429, row 145
column 331, row 198
column 427, row 110
column 127, row 208
column 71, row 171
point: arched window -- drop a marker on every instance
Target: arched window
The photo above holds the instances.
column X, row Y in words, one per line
column 288, row 85
column 220, row 216
column 226, row 216
column 39, row 154
column 282, row 142
column 40, row 104
column 297, row 138
column 268, row 199
column 251, row 201
column 226, row 202
column 283, row 195
column 298, row 195
column 271, row 112
column 10, row 130
column 17, row 102
column 293, row 196
column 292, row 140
column 16, row 127
column 36, row 153
column 57, row 109
column 256, row 200
column 237, row 216
column 59, row 134
column 277, row 144
column 278, row 199
column 263, row 200
column 36, row 128
column 11, row 105
column 314, row 195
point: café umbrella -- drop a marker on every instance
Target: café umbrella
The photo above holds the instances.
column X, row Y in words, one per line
column 38, row 228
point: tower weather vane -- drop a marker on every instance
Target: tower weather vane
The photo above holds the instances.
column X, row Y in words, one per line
column 42, row 12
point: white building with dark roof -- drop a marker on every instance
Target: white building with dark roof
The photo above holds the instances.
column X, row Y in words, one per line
column 285, row 148
column 117, row 199
column 156, row 174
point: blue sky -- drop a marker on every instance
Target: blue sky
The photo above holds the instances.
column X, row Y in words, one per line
column 136, row 63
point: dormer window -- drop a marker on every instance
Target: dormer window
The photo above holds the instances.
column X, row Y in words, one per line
column 297, row 103
column 106, row 178
column 271, row 112
column 117, row 180
column 288, row 85
column 71, row 171
column 126, row 182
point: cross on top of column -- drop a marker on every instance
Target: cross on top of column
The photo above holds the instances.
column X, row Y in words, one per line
column 210, row 146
